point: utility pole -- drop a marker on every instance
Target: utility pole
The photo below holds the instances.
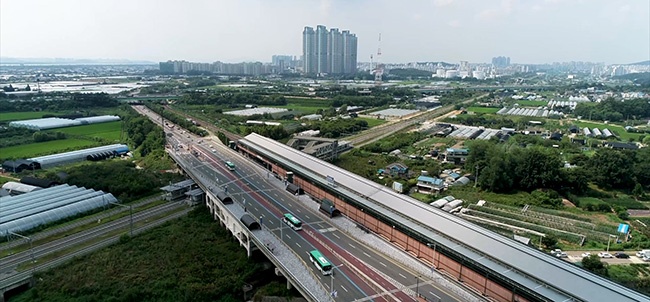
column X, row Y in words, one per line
column 31, row 247
column 130, row 207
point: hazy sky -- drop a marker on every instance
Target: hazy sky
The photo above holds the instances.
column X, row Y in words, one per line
column 528, row 31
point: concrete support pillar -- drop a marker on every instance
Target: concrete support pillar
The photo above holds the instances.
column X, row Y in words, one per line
column 288, row 284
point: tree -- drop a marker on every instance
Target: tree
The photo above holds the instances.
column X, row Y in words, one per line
column 638, row 190
column 549, row 241
column 28, row 88
column 612, row 169
column 592, row 263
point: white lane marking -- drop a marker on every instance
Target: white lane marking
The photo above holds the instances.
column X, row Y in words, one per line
column 366, row 254
column 288, row 237
column 256, row 210
column 307, row 216
column 299, row 211
column 337, row 236
column 352, row 246
column 344, row 288
column 270, row 221
column 433, row 294
column 402, row 275
column 298, row 244
column 383, row 264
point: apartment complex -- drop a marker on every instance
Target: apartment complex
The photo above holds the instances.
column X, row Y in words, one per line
column 245, row 68
column 328, row 51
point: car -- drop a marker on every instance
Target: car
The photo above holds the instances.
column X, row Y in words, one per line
column 586, row 254
column 621, row 255
column 646, row 259
column 605, row 255
column 559, row 253
column 642, row 253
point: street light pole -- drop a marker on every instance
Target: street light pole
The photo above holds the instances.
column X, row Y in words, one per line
column 417, row 287
column 31, row 247
column 609, row 238
column 130, row 213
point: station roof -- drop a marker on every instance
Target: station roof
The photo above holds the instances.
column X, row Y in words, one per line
column 553, row 278
column 178, row 186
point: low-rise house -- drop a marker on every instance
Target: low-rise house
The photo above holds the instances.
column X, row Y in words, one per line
column 430, row 185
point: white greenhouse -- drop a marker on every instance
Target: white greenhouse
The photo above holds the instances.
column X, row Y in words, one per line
column 30, row 210
column 44, row 123
column 79, row 155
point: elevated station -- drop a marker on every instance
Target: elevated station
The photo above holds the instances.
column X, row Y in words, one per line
column 498, row 267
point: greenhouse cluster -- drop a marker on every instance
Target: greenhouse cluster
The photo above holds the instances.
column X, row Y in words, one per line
column 30, row 210
column 80, row 155
column 56, row 122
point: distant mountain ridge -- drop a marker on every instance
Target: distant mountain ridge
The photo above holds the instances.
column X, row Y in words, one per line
column 640, row 63
column 70, row 61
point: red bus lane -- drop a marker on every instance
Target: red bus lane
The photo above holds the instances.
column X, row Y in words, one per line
column 367, row 279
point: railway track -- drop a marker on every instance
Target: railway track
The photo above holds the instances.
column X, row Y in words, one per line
column 80, row 222
column 10, row 263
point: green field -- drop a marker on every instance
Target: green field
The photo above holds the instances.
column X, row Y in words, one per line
column 109, row 131
column 17, row 116
column 45, row 148
column 531, row 103
column 616, row 129
column 372, row 122
column 483, row 109
column 306, row 105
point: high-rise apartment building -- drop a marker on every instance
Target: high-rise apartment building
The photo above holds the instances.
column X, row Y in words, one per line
column 328, row 52
column 501, row 61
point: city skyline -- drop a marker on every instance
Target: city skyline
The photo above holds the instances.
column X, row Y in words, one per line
column 531, row 32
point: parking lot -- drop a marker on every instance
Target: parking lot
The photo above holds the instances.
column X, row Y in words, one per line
column 576, row 256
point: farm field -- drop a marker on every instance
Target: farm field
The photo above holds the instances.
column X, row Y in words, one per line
column 17, row 116
column 483, row 109
column 372, row 122
column 45, row 148
column 109, row 131
column 618, row 130
column 306, row 105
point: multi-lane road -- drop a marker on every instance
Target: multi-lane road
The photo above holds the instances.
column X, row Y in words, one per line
column 361, row 271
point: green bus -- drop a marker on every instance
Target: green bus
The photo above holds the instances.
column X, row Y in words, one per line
column 230, row 166
column 292, row 222
column 321, row 263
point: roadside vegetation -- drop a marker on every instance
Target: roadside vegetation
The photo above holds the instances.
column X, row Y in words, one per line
column 189, row 259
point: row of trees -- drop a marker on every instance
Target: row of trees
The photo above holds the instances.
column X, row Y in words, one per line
column 233, row 99
column 338, row 127
column 614, row 110
column 512, row 167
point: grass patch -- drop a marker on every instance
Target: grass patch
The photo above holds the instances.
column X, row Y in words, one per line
column 483, row 109
column 17, row 116
column 627, row 202
column 44, row 148
column 4, row 179
column 372, row 122
column 616, row 129
column 108, row 131
column 306, row 105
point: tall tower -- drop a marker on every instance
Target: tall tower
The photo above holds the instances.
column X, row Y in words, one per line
column 379, row 67
column 309, row 50
column 322, row 60
column 349, row 52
